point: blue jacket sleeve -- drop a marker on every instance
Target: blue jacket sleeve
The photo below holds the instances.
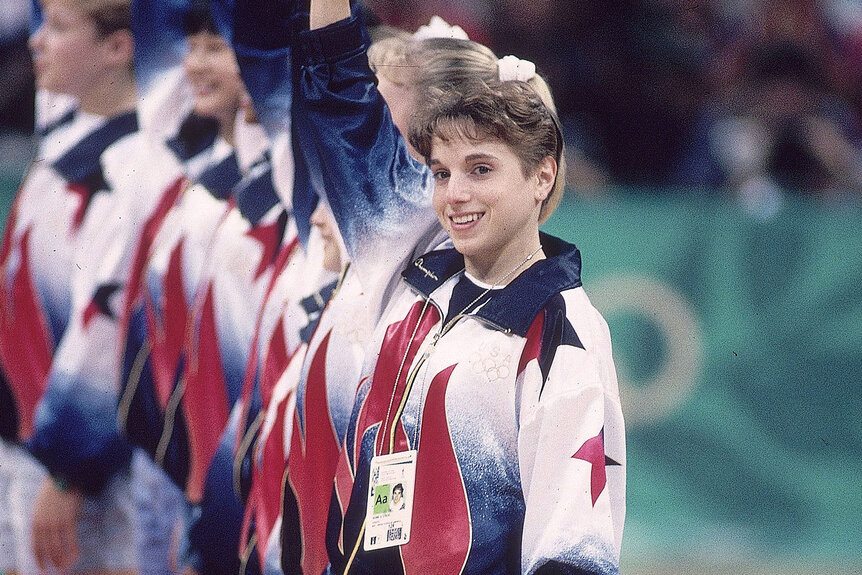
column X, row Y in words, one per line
column 380, row 196
column 78, row 442
column 75, row 431
column 263, row 35
column 261, row 41
column 159, row 40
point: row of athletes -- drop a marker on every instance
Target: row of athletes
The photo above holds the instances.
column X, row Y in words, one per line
column 264, row 269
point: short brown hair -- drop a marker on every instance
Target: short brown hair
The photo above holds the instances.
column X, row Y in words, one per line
column 108, row 16
column 512, row 112
column 433, row 62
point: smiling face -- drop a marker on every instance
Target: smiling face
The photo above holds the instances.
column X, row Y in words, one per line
column 69, row 56
column 487, row 203
column 214, row 76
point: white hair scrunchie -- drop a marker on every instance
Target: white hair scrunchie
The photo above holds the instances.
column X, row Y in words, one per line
column 513, row 68
column 439, row 28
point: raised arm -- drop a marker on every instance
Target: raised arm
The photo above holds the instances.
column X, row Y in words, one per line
column 259, row 32
column 380, row 195
column 159, row 40
column 326, row 12
column 263, row 35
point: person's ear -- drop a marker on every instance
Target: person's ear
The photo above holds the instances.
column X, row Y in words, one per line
column 120, row 47
column 545, row 175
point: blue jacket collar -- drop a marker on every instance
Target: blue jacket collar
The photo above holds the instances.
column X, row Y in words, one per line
column 220, row 179
column 195, row 135
column 517, row 305
column 255, row 194
column 81, row 162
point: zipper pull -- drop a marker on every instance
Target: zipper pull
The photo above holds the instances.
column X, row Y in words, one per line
column 431, row 346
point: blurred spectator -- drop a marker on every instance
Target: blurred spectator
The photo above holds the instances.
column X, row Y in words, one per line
column 780, row 122
column 16, row 72
column 17, row 91
column 845, row 18
column 627, row 74
column 551, row 34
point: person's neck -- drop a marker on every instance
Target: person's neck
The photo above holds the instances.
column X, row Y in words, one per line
column 109, row 98
column 502, row 270
column 226, row 131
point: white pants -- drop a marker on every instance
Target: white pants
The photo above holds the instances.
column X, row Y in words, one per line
column 106, row 529
column 21, row 477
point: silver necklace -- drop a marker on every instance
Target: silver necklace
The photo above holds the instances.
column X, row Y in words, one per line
column 444, row 329
column 500, row 282
column 437, row 336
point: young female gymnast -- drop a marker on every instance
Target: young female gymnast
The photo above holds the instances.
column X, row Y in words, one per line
column 489, row 393
column 199, row 278
column 81, row 519
column 331, row 369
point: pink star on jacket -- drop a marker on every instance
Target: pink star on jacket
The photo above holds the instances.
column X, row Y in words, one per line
column 270, row 237
column 593, row 452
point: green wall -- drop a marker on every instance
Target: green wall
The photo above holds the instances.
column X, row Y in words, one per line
column 738, row 343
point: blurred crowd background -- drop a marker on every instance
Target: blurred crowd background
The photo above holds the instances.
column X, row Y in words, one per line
column 16, row 89
column 723, row 96
column 749, row 97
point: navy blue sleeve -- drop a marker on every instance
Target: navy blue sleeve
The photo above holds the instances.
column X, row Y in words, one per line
column 263, row 35
column 379, row 195
column 76, row 436
column 159, row 40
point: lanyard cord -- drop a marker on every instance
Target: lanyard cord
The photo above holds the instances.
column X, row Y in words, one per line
column 445, row 328
column 400, row 371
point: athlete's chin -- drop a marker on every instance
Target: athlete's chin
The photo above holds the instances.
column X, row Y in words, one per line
column 467, row 247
